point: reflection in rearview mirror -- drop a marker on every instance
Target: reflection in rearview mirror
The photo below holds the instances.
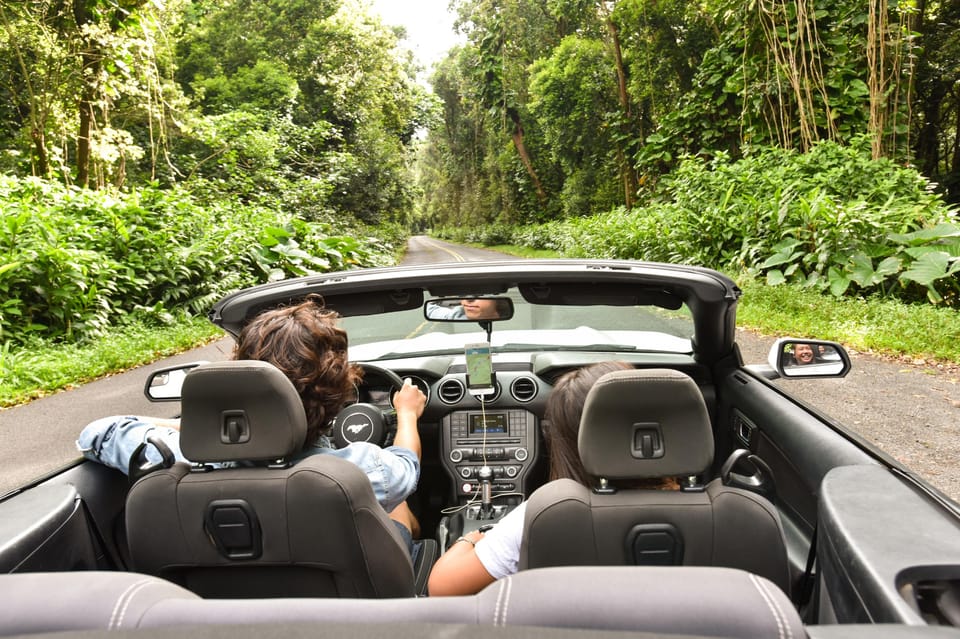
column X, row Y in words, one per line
column 809, row 358
column 468, row 309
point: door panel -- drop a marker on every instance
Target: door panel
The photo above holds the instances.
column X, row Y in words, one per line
column 799, row 448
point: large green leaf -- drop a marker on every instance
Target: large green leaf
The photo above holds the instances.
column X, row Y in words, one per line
column 931, row 267
column 941, row 231
column 839, row 283
column 775, row 277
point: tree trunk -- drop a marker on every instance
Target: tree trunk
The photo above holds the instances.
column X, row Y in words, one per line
column 83, row 138
column 927, row 150
column 90, row 62
column 40, row 147
column 517, row 136
column 627, row 173
column 952, row 173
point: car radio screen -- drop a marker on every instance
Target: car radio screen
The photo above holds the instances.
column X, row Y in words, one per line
column 493, row 423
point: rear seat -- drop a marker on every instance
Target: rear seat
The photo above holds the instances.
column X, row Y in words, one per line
column 703, row 601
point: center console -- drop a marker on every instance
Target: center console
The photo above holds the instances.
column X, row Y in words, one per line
column 505, row 440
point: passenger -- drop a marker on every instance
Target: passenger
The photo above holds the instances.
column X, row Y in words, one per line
column 477, row 559
column 305, row 343
column 803, row 354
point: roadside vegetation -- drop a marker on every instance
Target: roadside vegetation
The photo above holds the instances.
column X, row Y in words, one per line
column 154, row 156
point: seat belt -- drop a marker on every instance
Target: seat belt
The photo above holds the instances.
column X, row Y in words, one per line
column 809, row 579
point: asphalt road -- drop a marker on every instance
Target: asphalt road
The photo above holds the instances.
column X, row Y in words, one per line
column 909, row 410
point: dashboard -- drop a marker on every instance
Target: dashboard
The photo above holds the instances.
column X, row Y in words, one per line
column 461, row 434
column 501, row 431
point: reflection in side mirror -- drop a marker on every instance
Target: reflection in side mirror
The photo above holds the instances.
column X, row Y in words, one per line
column 165, row 384
column 468, row 309
column 793, row 357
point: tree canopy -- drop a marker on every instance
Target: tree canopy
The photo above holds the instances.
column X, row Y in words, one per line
column 307, row 105
column 549, row 110
column 612, row 95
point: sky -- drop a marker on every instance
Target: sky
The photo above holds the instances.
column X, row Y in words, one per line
column 428, row 22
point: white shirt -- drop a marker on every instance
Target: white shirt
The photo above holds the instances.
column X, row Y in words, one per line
column 499, row 549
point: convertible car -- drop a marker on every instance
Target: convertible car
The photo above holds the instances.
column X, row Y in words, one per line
column 785, row 523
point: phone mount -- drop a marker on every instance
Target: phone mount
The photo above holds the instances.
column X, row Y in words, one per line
column 487, row 326
column 481, row 393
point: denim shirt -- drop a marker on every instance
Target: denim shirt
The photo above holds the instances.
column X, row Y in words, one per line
column 393, row 471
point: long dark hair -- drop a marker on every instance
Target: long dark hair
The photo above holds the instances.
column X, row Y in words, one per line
column 562, row 417
column 305, row 343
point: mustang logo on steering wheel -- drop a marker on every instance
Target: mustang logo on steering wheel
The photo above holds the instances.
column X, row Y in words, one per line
column 357, row 428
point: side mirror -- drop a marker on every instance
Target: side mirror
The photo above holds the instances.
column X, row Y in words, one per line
column 165, row 384
column 468, row 309
column 797, row 358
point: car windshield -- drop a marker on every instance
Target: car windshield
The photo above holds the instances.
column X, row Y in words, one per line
column 533, row 327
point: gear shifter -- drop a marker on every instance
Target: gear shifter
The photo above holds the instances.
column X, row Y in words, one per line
column 486, row 492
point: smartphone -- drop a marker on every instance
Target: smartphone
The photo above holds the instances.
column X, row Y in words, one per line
column 479, row 369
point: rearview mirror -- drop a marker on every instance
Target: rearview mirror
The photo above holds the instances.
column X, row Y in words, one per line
column 468, row 309
column 166, row 384
column 793, row 357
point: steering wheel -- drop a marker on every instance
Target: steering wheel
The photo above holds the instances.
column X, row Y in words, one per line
column 363, row 422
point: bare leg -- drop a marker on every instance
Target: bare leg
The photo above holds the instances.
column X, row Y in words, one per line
column 405, row 516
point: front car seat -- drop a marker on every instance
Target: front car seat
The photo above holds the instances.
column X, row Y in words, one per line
column 264, row 527
column 639, row 425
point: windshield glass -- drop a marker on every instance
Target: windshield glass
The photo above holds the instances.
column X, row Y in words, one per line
column 533, row 327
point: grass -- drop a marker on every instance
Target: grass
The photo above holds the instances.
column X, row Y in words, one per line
column 42, row 368
column 918, row 332
column 520, row 251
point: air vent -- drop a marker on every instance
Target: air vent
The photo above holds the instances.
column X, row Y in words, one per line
column 420, row 383
column 450, row 391
column 523, row 389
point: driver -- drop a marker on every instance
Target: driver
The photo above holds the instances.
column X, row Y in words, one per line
column 305, row 343
column 471, row 308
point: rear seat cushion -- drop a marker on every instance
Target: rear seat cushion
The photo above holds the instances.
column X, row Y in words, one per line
column 709, row 602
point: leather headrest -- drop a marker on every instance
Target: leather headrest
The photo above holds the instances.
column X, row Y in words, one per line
column 639, row 424
column 242, row 410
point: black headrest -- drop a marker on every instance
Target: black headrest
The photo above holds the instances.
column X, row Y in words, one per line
column 243, row 410
column 640, row 424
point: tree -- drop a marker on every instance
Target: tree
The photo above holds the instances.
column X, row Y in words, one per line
column 577, row 83
column 936, row 98
column 68, row 66
column 323, row 84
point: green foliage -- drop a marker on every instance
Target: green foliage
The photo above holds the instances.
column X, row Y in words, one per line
column 74, row 262
column 573, row 85
column 317, row 109
column 830, row 220
column 789, row 75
